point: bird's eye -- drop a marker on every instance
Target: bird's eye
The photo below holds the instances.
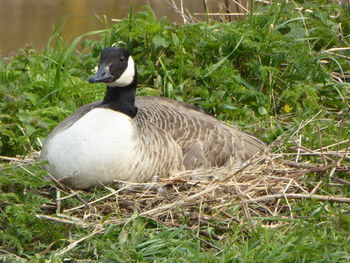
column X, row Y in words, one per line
column 122, row 59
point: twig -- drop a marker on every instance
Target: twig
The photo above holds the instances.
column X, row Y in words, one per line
column 307, row 152
column 336, row 199
column 309, row 166
column 179, row 203
column 64, row 221
column 315, row 188
column 22, row 167
column 239, row 3
column 316, row 169
column 186, row 18
column 200, row 212
column 74, row 244
column 337, row 49
column 340, row 180
column 230, row 216
column 242, row 204
column 98, row 200
column 331, row 145
column 58, row 200
column 284, row 194
column 298, row 150
column 58, row 183
column 12, row 159
column 222, row 14
column 73, row 194
column 304, row 123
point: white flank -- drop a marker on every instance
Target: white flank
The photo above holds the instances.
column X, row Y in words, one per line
column 97, row 148
column 127, row 77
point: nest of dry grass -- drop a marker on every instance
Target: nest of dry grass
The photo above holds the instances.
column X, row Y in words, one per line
column 266, row 187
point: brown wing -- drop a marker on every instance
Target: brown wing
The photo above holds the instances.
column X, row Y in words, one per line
column 205, row 141
column 158, row 153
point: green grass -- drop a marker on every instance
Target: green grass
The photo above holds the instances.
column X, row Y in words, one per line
column 268, row 73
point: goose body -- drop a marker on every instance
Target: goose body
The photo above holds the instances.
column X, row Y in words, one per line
column 127, row 139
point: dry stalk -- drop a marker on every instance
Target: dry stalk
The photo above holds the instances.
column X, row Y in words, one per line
column 186, row 16
column 76, row 222
column 299, row 196
column 74, row 244
column 13, row 159
column 178, row 203
column 215, row 197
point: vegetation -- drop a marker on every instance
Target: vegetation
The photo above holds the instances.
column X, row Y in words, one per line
column 281, row 74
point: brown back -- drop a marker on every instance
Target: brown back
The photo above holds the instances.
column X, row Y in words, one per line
column 206, row 142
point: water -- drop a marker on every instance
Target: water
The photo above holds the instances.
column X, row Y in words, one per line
column 31, row 21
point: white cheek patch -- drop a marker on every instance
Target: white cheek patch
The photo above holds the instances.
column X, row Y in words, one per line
column 127, row 77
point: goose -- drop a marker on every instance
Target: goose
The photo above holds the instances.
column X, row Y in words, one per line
column 134, row 139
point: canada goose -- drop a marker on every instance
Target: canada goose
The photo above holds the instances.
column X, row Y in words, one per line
column 127, row 139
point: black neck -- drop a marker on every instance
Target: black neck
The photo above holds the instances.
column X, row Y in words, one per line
column 121, row 99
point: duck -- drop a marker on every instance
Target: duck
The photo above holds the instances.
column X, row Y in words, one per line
column 135, row 139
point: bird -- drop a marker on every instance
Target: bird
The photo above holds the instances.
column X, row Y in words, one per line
column 134, row 139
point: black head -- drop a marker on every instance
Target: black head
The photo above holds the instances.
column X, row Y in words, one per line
column 116, row 68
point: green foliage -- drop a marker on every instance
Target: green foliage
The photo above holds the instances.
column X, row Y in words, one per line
column 273, row 70
column 263, row 66
column 141, row 241
column 249, row 63
column 20, row 201
column 36, row 92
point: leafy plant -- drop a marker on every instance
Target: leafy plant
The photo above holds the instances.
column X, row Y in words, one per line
column 280, row 73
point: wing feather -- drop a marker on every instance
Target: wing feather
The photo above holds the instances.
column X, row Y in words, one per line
column 205, row 141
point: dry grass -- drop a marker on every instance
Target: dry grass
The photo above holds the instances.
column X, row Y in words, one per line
column 267, row 186
column 227, row 10
column 263, row 187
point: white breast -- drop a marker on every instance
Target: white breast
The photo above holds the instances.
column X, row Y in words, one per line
column 96, row 148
